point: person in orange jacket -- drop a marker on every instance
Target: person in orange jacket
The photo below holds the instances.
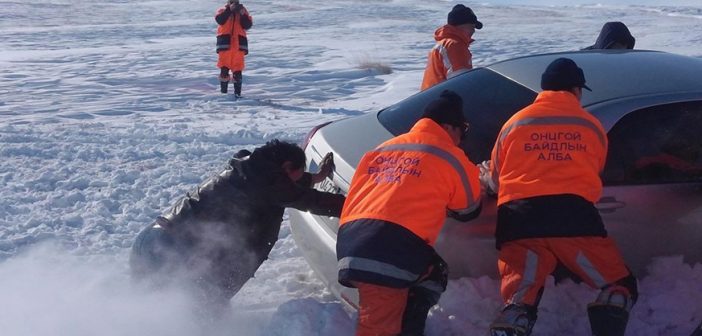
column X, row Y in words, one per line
column 233, row 21
column 451, row 56
column 397, row 203
column 545, row 168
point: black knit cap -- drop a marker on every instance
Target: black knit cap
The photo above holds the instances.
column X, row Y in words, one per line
column 461, row 15
column 563, row 74
column 447, row 109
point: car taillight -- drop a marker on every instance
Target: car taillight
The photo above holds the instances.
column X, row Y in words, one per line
column 311, row 134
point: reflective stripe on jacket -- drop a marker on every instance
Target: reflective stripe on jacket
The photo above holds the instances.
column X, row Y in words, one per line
column 381, row 253
column 449, row 57
column 234, row 25
column 550, row 147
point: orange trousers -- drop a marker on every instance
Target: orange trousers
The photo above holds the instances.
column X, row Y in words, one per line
column 524, row 264
column 380, row 310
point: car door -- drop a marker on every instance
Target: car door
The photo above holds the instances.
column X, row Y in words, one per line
column 652, row 200
column 489, row 100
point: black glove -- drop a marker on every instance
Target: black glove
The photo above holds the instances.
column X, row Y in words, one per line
column 326, row 168
column 233, row 6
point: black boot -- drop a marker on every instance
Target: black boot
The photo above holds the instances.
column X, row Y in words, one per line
column 422, row 296
column 237, row 83
column 609, row 314
column 607, row 320
column 698, row 331
column 514, row 320
column 419, row 302
column 224, row 79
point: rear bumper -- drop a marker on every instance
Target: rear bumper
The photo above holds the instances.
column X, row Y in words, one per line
column 316, row 239
column 318, row 245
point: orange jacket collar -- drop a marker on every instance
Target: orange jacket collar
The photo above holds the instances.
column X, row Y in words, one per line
column 560, row 97
column 449, row 31
column 426, row 125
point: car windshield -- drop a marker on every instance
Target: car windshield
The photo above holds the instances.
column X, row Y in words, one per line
column 489, row 99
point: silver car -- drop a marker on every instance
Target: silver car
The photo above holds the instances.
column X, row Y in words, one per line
column 649, row 102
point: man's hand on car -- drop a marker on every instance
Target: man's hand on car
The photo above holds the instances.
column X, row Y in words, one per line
column 486, row 179
column 326, row 169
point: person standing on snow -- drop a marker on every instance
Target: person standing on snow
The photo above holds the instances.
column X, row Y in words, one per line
column 396, row 205
column 233, row 21
column 451, row 56
column 545, row 168
column 215, row 238
column 614, row 35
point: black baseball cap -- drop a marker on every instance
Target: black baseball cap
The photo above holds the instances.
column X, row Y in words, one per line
column 447, row 109
column 563, row 74
column 461, row 14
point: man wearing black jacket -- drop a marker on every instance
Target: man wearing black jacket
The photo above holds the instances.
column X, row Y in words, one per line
column 614, row 35
column 215, row 238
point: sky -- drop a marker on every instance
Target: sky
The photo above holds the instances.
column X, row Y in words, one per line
column 110, row 112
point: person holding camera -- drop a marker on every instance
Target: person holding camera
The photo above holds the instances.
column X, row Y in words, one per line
column 232, row 44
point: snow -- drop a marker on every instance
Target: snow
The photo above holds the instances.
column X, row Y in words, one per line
column 110, row 112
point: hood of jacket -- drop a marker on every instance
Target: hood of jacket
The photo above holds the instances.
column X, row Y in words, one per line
column 451, row 32
column 613, row 32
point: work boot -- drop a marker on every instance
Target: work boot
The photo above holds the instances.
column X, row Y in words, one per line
column 237, row 83
column 419, row 302
column 698, row 331
column 514, row 320
column 224, row 80
column 609, row 314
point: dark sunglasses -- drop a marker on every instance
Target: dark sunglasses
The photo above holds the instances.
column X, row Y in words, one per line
column 464, row 130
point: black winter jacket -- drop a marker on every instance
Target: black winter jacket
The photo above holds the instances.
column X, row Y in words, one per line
column 611, row 33
column 233, row 219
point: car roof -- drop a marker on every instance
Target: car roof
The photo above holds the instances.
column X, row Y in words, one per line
column 613, row 74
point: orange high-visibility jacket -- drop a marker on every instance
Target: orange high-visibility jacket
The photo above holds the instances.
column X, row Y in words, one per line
column 233, row 58
column 449, row 57
column 411, row 180
column 550, row 147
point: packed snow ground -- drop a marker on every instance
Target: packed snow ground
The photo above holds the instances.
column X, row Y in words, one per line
column 111, row 111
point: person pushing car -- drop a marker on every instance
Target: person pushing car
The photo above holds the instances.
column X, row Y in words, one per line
column 545, row 168
column 396, row 205
column 214, row 238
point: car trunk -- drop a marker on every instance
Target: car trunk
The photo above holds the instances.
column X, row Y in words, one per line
column 636, row 217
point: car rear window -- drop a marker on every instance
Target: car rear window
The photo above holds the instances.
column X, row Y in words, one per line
column 489, row 99
column 656, row 145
